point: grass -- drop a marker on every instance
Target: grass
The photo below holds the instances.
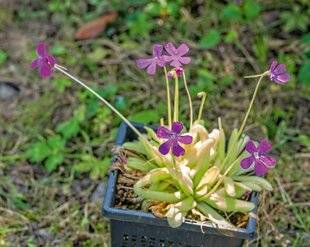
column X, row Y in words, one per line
column 228, row 41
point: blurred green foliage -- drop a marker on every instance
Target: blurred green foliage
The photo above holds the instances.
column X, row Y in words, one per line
column 216, row 24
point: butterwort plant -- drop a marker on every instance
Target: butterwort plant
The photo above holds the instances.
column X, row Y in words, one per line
column 188, row 170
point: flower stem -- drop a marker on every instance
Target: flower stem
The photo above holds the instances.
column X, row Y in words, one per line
column 162, row 121
column 176, row 99
column 202, row 95
column 254, row 76
column 251, row 104
column 168, row 96
column 60, row 68
column 189, row 101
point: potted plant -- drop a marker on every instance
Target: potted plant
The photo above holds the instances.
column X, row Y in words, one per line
column 187, row 186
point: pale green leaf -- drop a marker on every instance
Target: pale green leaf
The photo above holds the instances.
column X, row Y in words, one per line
column 213, row 215
column 256, row 180
column 211, row 39
column 38, row 151
column 53, row 161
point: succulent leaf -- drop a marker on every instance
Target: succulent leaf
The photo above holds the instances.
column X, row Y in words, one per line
column 221, row 149
column 239, row 191
column 213, row 215
column 198, row 132
column 152, row 177
column 252, row 186
column 177, row 212
column 139, row 164
column 233, row 149
column 135, row 146
column 151, row 134
column 209, row 178
column 256, row 180
column 228, row 204
column 229, row 186
column 175, row 217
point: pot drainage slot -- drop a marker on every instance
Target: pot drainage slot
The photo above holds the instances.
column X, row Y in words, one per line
column 145, row 241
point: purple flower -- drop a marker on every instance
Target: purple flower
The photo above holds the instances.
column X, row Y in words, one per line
column 177, row 71
column 151, row 63
column 262, row 161
column 277, row 73
column 175, row 57
column 173, row 138
column 45, row 62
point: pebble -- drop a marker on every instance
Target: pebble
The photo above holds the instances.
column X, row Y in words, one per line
column 8, row 91
column 98, row 194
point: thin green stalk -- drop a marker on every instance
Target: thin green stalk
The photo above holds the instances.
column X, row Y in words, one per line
column 202, row 95
column 251, row 104
column 176, row 99
column 168, row 97
column 254, row 76
column 189, row 101
column 162, row 121
column 60, row 68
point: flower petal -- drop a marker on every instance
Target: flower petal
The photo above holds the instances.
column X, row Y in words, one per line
column 177, row 150
column 35, row 63
column 168, row 59
column 175, row 63
column 280, row 69
column 185, row 60
column 250, row 147
column 45, row 70
column 142, row 63
column 169, row 47
column 268, row 161
column 182, row 49
column 157, row 50
column 177, row 127
column 247, row 162
column 273, row 66
column 41, row 49
column 282, row 79
column 151, row 70
column 163, row 132
column 161, row 62
column 186, row 139
column 264, row 146
column 51, row 60
column 165, row 147
column 260, row 169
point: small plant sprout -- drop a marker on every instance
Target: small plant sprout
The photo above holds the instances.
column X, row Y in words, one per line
column 188, row 170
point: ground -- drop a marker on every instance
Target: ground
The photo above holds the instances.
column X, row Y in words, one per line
column 56, row 201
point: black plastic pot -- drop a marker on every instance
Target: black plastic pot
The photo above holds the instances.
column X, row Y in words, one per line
column 137, row 228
